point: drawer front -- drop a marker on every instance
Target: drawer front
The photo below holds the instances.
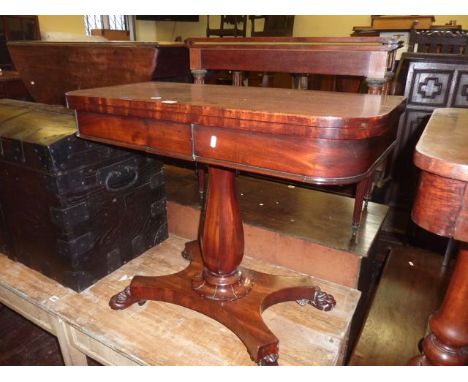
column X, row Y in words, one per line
column 264, row 153
column 166, row 138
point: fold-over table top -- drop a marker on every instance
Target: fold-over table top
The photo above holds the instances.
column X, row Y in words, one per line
column 310, row 136
column 275, row 111
column 443, row 146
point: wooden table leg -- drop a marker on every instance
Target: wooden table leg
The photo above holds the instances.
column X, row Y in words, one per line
column 216, row 285
column 199, row 78
column 375, row 85
column 447, row 344
column 362, row 190
column 200, row 172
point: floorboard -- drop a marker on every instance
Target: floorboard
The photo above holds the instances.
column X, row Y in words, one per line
column 410, row 290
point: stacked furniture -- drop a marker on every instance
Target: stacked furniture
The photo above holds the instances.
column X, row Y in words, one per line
column 72, row 209
column 428, row 81
column 371, row 58
column 65, row 202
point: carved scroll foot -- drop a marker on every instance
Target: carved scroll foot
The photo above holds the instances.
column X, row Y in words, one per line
column 186, row 254
column 269, row 360
column 320, row 300
column 124, row 299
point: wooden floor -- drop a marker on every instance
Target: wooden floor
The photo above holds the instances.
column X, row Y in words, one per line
column 23, row 343
column 410, row 290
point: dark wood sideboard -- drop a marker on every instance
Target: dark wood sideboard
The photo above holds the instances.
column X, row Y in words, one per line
column 428, row 81
column 50, row 69
column 441, row 207
column 305, row 136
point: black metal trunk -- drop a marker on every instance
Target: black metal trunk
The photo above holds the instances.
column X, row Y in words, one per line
column 69, row 208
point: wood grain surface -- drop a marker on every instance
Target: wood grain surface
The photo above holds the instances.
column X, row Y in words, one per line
column 442, row 148
column 441, row 207
column 362, row 56
column 278, row 111
column 442, row 155
column 411, row 288
column 49, row 68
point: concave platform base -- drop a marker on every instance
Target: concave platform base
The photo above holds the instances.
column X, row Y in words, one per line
column 242, row 316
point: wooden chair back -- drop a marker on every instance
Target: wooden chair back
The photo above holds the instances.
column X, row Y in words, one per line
column 230, row 26
column 438, row 41
column 273, row 26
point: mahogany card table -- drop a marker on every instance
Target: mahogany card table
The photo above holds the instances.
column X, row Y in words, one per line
column 313, row 137
column 370, row 57
column 441, row 207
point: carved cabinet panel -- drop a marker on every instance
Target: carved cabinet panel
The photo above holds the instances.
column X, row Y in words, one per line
column 460, row 98
column 430, row 87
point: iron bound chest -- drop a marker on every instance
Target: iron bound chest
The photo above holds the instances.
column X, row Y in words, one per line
column 73, row 209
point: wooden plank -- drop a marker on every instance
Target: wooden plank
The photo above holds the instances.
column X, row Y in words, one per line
column 411, row 289
column 70, row 353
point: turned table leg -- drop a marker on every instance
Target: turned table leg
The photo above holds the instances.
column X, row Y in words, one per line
column 361, row 195
column 375, row 85
column 447, row 344
column 222, row 233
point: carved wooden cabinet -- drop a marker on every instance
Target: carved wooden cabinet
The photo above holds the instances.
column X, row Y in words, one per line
column 428, row 81
column 15, row 28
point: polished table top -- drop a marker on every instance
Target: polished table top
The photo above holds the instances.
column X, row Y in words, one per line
column 443, row 146
column 441, row 204
column 281, row 132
